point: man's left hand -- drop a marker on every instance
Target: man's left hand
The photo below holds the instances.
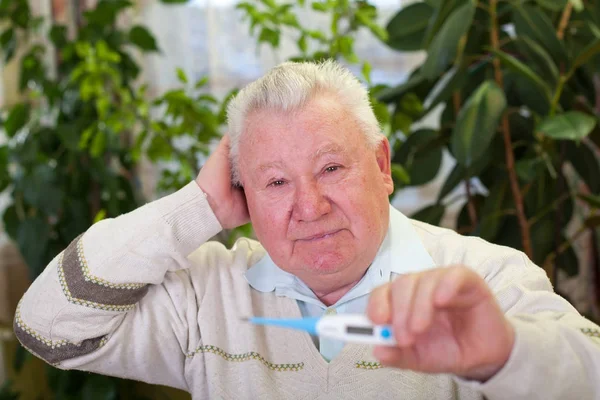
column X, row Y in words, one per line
column 445, row 320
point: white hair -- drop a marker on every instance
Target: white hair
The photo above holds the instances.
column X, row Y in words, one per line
column 289, row 87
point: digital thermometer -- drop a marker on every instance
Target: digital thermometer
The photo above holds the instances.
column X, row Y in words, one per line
column 353, row 328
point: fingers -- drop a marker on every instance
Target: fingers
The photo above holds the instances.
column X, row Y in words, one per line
column 410, row 302
column 423, row 307
column 403, row 291
column 397, row 357
column 379, row 309
column 460, row 288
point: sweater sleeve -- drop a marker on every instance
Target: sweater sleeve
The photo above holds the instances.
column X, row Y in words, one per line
column 115, row 300
column 556, row 354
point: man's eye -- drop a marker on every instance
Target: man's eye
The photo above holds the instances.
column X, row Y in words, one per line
column 276, row 183
column 333, row 168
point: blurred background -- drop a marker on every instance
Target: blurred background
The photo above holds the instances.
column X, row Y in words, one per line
column 491, row 108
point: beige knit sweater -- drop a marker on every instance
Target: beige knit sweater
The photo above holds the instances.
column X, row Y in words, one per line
column 145, row 296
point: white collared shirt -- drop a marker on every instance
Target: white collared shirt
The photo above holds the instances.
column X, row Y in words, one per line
column 400, row 252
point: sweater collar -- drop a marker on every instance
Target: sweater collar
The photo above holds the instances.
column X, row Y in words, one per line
column 401, row 252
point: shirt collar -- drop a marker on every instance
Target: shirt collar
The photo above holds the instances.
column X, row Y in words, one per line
column 401, row 252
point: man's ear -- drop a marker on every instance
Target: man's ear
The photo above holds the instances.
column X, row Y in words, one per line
column 383, row 155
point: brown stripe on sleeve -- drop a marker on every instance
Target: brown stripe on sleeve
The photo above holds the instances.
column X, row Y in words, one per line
column 81, row 287
column 52, row 351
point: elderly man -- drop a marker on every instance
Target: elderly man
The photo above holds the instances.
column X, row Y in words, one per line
column 146, row 296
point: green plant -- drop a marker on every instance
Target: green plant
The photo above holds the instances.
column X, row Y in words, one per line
column 520, row 84
column 75, row 138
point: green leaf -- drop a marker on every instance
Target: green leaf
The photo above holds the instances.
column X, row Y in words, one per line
column 586, row 54
column 395, row 93
column 401, row 122
column 269, row 3
column 592, row 200
column 459, row 174
column 521, row 91
column 532, row 23
column 21, row 356
column 33, row 235
column 269, row 36
column 400, row 175
column 142, row 38
column 366, row 71
column 407, row 28
column 98, row 144
column 106, row 12
column 492, row 213
column 540, row 58
column 421, row 156
column 58, row 35
column 182, row 76
column 452, row 80
column 553, row 5
column 381, row 112
column 443, row 48
column 440, row 16
column 322, row 7
column 431, row 214
column 523, row 70
column 8, row 41
column 527, row 168
column 434, row 3
column 585, row 162
column 572, row 125
column 160, row 149
column 476, row 123
column 568, row 262
column 463, row 220
column 50, row 199
column 302, row 44
column 17, row 118
column 577, row 5
column 6, row 390
column 98, row 387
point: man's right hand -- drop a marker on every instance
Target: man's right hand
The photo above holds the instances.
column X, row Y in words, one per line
column 227, row 202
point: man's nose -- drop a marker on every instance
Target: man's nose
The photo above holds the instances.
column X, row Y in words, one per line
column 310, row 202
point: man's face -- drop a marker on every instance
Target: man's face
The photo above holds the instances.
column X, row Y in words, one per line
column 317, row 195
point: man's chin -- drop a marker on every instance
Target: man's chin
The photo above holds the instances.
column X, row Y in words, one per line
column 325, row 263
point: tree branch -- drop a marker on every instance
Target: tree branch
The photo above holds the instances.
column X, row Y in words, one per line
column 564, row 20
column 510, row 158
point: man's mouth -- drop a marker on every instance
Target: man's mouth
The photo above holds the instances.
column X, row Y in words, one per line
column 320, row 236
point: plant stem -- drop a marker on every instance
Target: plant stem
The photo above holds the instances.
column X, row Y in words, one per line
column 471, row 205
column 510, row 158
column 559, row 88
column 548, row 209
column 562, row 248
column 564, row 20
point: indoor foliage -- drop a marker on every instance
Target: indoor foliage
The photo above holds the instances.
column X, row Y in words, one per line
column 522, row 92
column 75, row 139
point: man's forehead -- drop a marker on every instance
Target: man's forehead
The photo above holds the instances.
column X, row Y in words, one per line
column 275, row 161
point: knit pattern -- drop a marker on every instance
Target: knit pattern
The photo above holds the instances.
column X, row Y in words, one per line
column 53, row 344
column 86, row 303
column 246, row 357
column 368, row 365
column 595, row 333
column 85, row 269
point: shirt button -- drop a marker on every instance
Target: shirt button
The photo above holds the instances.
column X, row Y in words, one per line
column 331, row 311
